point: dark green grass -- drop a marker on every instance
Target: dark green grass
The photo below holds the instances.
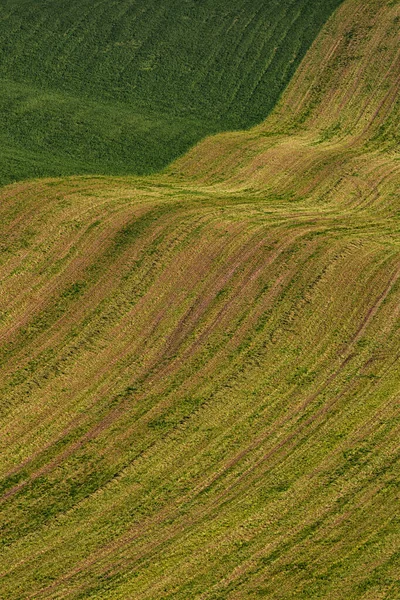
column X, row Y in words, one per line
column 47, row 133
column 125, row 87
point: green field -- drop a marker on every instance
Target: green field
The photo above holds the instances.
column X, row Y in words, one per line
column 200, row 369
column 124, row 87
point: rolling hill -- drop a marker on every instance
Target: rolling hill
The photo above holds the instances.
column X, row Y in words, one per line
column 199, row 370
column 126, row 86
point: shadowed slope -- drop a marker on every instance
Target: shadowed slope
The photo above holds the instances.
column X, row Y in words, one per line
column 200, row 383
column 126, row 86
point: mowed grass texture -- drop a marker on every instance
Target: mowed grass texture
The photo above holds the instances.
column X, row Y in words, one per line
column 200, row 370
column 126, row 86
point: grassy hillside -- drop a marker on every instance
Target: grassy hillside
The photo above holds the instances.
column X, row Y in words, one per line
column 199, row 371
column 342, row 102
column 124, row 86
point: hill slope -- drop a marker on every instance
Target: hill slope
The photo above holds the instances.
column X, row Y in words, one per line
column 200, row 371
column 343, row 101
column 126, row 86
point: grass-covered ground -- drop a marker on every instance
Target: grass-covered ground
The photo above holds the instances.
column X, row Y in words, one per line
column 199, row 371
column 123, row 86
